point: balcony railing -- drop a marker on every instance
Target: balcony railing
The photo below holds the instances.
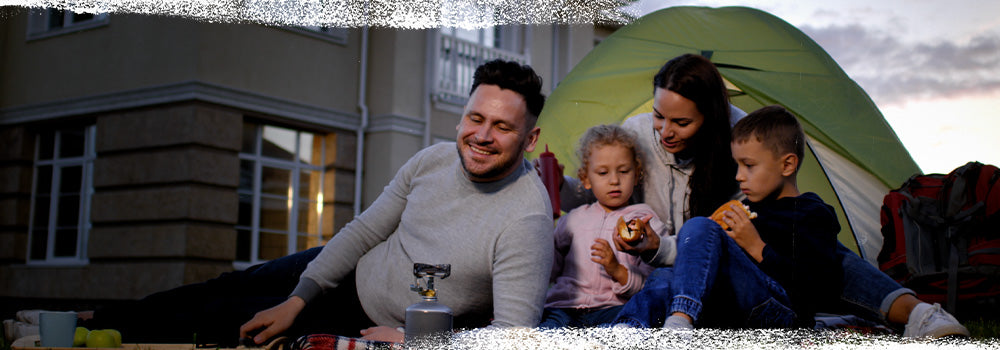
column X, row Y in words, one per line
column 457, row 60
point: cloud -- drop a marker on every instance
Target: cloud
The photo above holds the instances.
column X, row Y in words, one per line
column 893, row 71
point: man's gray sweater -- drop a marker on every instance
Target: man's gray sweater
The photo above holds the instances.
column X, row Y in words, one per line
column 497, row 237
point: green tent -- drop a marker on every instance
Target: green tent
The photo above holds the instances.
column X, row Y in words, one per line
column 855, row 157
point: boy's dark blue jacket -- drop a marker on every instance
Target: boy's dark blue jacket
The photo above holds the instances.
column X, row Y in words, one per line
column 800, row 252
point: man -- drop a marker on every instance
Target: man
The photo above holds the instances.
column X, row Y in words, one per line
column 481, row 209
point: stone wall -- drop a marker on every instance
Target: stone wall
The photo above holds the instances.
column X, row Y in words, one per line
column 163, row 208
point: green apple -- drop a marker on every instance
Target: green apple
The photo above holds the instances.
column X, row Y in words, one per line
column 80, row 337
column 117, row 335
column 98, row 338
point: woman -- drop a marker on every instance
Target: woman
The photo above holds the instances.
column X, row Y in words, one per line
column 690, row 172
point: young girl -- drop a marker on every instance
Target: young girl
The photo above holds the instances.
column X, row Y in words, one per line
column 591, row 279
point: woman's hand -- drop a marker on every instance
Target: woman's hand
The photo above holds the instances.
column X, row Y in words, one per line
column 649, row 244
column 274, row 320
column 601, row 253
column 743, row 232
column 382, row 333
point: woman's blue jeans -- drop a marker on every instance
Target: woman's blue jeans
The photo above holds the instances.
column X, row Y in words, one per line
column 867, row 291
column 714, row 282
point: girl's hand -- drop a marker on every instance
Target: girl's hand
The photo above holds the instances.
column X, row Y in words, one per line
column 601, row 253
column 744, row 233
column 649, row 244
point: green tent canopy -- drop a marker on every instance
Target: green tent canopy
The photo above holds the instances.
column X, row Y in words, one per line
column 855, row 157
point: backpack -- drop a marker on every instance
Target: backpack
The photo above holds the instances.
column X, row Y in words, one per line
column 942, row 239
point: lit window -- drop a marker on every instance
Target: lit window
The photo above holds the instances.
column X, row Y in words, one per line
column 285, row 197
column 63, row 186
column 43, row 23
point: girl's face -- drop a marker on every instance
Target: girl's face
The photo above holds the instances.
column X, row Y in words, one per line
column 611, row 175
column 676, row 119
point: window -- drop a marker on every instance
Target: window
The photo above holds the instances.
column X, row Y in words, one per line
column 63, row 186
column 330, row 34
column 285, row 196
column 460, row 51
column 44, row 23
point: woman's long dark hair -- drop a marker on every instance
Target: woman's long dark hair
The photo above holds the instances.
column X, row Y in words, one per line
column 713, row 180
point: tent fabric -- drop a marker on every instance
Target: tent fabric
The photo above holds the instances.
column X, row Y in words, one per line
column 860, row 194
column 769, row 62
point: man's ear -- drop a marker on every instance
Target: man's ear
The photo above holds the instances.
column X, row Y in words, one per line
column 789, row 164
column 532, row 139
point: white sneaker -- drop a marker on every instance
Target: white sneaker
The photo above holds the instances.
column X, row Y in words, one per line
column 929, row 321
column 677, row 323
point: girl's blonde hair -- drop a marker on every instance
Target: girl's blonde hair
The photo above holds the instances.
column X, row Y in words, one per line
column 604, row 135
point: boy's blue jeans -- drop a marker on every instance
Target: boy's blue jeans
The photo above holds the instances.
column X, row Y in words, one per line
column 867, row 292
column 714, row 282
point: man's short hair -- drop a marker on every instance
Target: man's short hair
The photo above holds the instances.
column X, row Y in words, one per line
column 774, row 127
column 516, row 77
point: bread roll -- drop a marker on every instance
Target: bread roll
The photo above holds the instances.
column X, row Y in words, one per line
column 631, row 232
column 720, row 213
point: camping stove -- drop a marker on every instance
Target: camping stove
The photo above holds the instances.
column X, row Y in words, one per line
column 428, row 320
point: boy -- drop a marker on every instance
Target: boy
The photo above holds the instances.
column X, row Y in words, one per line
column 771, row 271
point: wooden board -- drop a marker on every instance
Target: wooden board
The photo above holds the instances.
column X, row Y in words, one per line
column 133, row 347
column 124, row 347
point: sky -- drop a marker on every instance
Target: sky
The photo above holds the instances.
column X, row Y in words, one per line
column 932, row 67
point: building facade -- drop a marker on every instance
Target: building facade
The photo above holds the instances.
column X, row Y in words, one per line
column 139, row 153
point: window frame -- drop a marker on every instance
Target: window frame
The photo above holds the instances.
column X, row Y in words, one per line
column 295, row 167
column 84, row 225
column 454, row 59
column 335, row 35
column 39, row 18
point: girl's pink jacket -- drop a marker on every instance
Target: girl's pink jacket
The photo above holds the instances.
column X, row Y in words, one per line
column 582, row 283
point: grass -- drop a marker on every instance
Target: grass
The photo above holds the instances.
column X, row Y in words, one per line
column 983, row 329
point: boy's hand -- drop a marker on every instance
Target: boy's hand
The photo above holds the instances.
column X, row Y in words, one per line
column 382, row 333
column 744, row 233
column 649, row 243
column 601, row 253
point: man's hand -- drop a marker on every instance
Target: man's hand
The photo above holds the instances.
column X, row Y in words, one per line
column 601, row 253
column 649, row 244
column 743, row 232
column 382, row 333
column 274, row 320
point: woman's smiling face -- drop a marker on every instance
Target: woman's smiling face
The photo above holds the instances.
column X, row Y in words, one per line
column 676, row 119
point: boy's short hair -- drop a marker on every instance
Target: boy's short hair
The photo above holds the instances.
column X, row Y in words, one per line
column 774, row 127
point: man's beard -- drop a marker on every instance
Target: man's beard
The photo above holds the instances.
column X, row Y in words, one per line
column 492, row 172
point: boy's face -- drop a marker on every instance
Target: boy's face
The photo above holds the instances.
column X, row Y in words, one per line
column 611, row 175
column 759, row 171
